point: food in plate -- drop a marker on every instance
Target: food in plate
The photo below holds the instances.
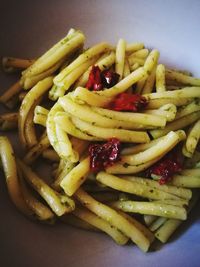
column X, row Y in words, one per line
column 120, row 131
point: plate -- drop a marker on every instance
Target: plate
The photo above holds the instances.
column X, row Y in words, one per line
column 28, row 28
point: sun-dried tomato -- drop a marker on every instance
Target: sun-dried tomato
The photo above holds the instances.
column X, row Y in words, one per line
column 94, row 82
column 128, row 102
column 164, row 169
column 98, row 80
column 104, row 155
column 109, row 78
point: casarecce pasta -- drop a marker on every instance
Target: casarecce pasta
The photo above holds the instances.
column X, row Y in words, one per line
column 118, row 128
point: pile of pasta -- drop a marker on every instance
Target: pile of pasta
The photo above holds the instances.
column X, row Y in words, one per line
column 58, row 118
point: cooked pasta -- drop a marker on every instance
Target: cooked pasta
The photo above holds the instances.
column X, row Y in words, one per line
column 119, row 130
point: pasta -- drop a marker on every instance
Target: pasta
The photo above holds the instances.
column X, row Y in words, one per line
column 119, row 131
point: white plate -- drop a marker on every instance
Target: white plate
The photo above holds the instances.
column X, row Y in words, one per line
column 28, row 28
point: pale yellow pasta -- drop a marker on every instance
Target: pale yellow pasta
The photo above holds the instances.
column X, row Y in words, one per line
column 183, row 193
column 139, row 225
column 193, row 162
column 130, row 48
column 125, row 168
column 36, row 92
column 191, row 172
column 34, row 152
column 151, row 61
column 74, row 179
column 88, row 114
column 29, row 129
column 12, row 63
column 65, row 46
column 142, row 53
column 193, row 137
column 185, row 181
column 140, row 86
column 149, row 219
column 134, row 59
column 168, row 111
column 177, row 124
column 182, row 78
column 114, row 218
column 101, row 224
column 133, row 187
column 51, row 127
column 151, row 208
column 135, row 118
column 65, row 147
column 131, row 150
column 149, row 84
column 157, row 103
column 10, row 171
column 120, row 57
column 185, row 152
column 178, row 202
column 104, row 62
column 168, row 228
column 186, row 72
column 40, row 210
column 58, row 203
column 124, row 84
column 160, row 78
column 68, row 126
column 59, row 90
column 186, row 92
column 83, row 95
column 63, row 169
column 194, row 106
column 157, row 223
column 88, row 54
column 40, row 115
column 161, row 148
column 8, row 121
column 127, row 70
column 30, row 81
column 106, row 133
column 15, row 89
column 135, row 66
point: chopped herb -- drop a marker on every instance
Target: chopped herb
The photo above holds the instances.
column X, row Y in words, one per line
column 126, row 165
